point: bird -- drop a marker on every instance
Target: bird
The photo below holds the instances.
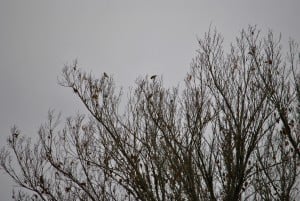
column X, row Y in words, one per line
column 67, row 189
column 95, row 96
column 16, row 134
column 75, row 66
column 105, row 75
column 269, row 62
column 252, row 51
column 189, row 77
column 41, row 180
column 149, row 96
column 153, row 77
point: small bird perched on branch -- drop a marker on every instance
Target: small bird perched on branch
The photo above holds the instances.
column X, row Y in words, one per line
column 153, row 77
column 189, row 77
column 149, row 96
column 105, row 75
column 252, row 50
column 15, row 133
column 269, row 61
column 75, row 65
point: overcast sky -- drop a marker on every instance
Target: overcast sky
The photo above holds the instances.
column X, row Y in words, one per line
column 124, row 38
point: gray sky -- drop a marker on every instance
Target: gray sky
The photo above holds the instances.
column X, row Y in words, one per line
column 125, row 38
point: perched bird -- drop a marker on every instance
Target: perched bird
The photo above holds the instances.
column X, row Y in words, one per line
column 153, row 77
column 252, row 51
column 95, row 96
column 189, row 77
column 149, row 96
column 41, row 180
column 16, row 134
column 105, row 75
column 269, row 62
column 67, row 189
column 75, row 65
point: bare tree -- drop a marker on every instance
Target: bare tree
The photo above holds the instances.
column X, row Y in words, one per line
column 232, row 133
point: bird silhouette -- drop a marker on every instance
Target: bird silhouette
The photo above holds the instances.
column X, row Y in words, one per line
column 16, row 134
column 269, row 61
column 67, row 189
column 252, row 50
column 95, row 96
column 41, row 180
column 149, row 96
column 105, row 75
column 153, row 77
column 189, row 77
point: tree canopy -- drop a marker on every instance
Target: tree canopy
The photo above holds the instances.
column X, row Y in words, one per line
column 230, row 133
